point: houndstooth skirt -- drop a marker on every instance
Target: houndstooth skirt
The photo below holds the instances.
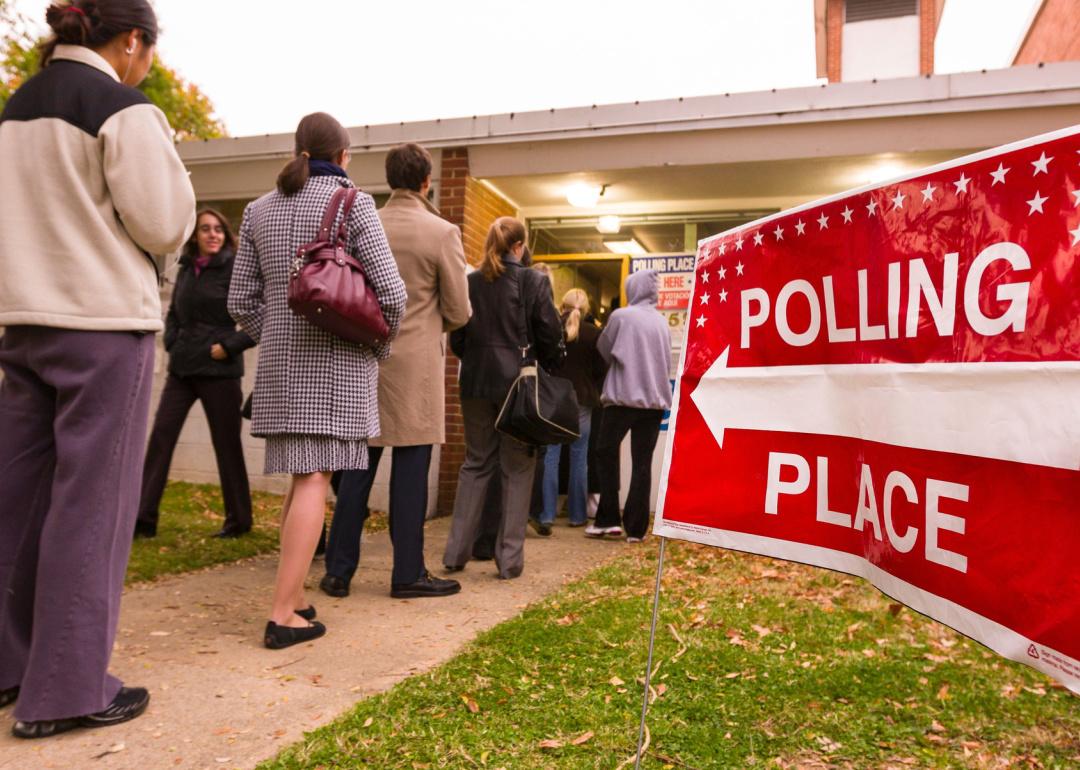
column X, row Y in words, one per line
column 302, row 453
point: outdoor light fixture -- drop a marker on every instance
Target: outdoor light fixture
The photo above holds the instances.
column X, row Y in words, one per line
column 629, row 246
column 583, row 196
column 608, row 224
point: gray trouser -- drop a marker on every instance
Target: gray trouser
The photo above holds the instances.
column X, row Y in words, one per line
column 73, row 413
column 486, row 452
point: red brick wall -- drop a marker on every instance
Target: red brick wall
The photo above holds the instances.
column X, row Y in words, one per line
column 471, row 206
column 928, row 24
column 1052, row 36
column 834, row 33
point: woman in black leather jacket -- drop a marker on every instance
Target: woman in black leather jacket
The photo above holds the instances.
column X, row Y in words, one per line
column 489, row 347
column 206, row 362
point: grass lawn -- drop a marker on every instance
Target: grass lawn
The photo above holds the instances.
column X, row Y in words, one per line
column 190, row 515
column 759, row 663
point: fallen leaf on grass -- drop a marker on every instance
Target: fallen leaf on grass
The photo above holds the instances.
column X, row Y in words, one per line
column 616, row 682
column 369, row 721
column 761, row 631
column 937, row 727
column 827, row 744
column 551, row 743
column 894, row 609
column 470, row 704
column 943, row 693
column 567, row 620
column 583, row 738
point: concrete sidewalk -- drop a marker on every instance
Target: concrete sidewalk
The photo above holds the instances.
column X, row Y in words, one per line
column 220, row 700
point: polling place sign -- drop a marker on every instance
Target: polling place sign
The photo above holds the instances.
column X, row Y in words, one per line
column 887, row 383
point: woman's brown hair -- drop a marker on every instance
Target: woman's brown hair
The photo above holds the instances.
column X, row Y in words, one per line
column 319, row 136
column 191, row 248
column 93, row 23
column 504, row 233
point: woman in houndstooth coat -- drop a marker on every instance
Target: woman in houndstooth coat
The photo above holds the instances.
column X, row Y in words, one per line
column 315, row 398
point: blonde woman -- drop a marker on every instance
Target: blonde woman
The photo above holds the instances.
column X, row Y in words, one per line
column 585, row 368
column 502, row 293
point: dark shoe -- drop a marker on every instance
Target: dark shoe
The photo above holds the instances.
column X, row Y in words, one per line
column 145, row 529
column 427, row 585
column 453, row 567
column 332, row 585
column 483, row 549
column 129, row 703
column 279, row 637
column 578, row 523
column 308, row 613
column 228, row 533
column 9, row 696
column 542, row 529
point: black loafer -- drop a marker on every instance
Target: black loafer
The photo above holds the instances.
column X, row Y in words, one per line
column 279, row 637
column 332, row 585
column 129, row 703
column 9, row 696
column 427, row 585
column 542, row 529
column 308, row 613
column 230, row 534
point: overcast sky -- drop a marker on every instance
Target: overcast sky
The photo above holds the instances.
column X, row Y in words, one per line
column 265, row 64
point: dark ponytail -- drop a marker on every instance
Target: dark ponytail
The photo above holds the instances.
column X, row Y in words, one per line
column 318, row 136
column 93, row 23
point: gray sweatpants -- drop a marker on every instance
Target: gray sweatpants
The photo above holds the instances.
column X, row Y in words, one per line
column 73, row 413
column 487, row 452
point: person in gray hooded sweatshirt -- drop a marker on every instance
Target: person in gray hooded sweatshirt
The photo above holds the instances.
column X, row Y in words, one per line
column 636, row 345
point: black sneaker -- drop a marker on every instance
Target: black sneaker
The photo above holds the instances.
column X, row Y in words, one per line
column 542, row 529
column 129, row 703
column 427, row 585
column 332, row 585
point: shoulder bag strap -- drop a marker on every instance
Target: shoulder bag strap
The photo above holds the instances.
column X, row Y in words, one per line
column 330, row 214
column 350, row 199
column 524, row 338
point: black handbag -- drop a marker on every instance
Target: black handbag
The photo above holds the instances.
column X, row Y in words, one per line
column 539, row 409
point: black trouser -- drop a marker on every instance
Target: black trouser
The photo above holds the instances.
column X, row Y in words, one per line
column 644, row 428
column 221, row 399
column 408, row 510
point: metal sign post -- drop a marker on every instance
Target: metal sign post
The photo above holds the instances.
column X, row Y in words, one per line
column 652, row 644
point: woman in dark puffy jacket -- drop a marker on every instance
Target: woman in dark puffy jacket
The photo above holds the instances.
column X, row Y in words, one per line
column 206, row 362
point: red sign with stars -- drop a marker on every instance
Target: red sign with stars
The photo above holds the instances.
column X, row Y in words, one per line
column 887, row 383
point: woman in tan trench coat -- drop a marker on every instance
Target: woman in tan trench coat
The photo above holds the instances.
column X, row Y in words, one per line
column 412, row 396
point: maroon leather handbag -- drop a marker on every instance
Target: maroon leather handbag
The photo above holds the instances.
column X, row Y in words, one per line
column 327, row 285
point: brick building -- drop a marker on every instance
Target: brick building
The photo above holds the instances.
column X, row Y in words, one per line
column 602, row 185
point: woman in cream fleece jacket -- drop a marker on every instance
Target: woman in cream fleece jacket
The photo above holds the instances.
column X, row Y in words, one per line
column 94, row 196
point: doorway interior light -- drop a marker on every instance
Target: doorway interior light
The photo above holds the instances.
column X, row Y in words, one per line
column 883, row 172
column 629, row 246
column 608, row 224
column 583, row 196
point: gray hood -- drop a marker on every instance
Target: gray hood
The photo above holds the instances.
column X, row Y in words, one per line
column 643, row 288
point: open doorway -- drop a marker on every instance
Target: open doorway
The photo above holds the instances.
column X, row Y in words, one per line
column 601, row 276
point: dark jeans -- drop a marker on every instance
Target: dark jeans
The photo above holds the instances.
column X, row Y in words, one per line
column 644, row 428
column 73, row 409
column 408, row 510
column 221, row 400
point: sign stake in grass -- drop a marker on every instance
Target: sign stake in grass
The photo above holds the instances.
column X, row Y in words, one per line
column 652, row 644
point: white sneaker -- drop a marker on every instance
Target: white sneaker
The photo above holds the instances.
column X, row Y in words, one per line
column 635, row 540
column 594, row 531
column 613, row 532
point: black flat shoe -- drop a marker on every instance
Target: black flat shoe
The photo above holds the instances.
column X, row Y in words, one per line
column 308, row 613
column 332, row 585
column 129, row 703
column 427, row 585
column 230, row 534
column 542, row 529
column 279, row 637
column 9, row 696
column 453, row 567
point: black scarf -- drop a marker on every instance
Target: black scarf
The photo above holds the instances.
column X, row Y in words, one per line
column 318, row 167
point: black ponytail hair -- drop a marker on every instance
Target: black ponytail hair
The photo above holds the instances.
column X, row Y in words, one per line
column 93, row 23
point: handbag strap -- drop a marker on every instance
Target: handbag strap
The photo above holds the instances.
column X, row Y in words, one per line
column 524, row 338
column 330, row 214
column 350, row 198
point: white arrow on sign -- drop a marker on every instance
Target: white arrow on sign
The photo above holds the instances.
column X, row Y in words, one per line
column 1026, row 412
